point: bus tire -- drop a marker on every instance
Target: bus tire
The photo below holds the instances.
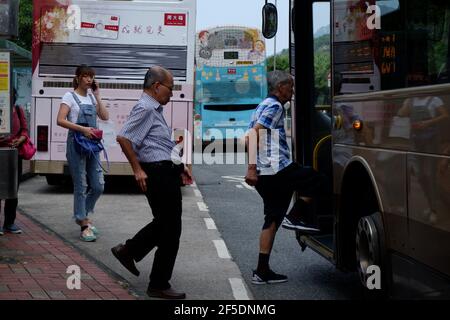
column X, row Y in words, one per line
column 370, row 254
column 54, row 179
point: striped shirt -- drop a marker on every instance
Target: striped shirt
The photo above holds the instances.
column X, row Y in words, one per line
column 274, row 154
column 148, row 132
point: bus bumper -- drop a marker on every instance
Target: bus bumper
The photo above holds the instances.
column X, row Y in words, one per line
column 44, row 167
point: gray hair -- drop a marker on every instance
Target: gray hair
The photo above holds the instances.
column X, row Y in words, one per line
column 155, row 74
column 276, row 78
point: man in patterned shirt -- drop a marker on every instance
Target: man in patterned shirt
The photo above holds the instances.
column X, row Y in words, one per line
column 274, row 175
column 146, row 141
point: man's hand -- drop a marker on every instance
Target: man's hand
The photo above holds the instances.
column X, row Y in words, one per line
column 139, row 174
column 252, row 177
column 141, row 179
column 186, row 176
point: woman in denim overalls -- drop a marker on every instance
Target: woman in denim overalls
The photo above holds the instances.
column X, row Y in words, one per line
column 78, row 112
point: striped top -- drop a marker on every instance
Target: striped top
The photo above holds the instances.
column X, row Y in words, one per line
column 274, row 155
column 149, row 133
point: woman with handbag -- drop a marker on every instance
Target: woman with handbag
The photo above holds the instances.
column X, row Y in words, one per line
column 18, row 136
column 78, row 112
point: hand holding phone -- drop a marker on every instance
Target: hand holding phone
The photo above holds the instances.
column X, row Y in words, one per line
column 94, row 86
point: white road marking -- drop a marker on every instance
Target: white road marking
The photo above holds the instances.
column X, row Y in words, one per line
column 221, row 248
column 202, row 206
column 247, row 186
column 234, row 178
column 238, row 288
column 197, row 193
column 210, row 224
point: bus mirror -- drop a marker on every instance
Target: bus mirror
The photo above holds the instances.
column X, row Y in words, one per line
column 269, row 20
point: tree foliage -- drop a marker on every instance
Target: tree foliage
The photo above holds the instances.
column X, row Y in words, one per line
column 25, row 24
column 282, row 61
column 321, row 71
column 322, row 66
column 322, row 43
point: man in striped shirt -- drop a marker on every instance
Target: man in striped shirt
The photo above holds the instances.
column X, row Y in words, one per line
column 146, row 141
column 274, row 175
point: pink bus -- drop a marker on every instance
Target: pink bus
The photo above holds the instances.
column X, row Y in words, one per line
column 120, row 40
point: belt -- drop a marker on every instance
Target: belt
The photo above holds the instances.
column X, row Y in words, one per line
column 163, row 164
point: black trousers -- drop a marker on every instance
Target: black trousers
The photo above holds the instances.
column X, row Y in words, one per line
column 11, row 204
column 277, row 190
column 164, row 196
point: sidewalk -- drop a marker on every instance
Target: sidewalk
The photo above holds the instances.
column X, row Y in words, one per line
column 33, row 265
column 204, row 269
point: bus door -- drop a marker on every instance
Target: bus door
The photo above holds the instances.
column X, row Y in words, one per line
column 310, row 57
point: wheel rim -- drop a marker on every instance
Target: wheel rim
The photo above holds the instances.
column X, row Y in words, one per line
column 367, row 247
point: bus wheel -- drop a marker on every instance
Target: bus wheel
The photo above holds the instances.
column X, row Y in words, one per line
column 54, row 179
column 370, row 255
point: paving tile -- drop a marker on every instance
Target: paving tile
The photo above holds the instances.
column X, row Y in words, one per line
column 37, row 264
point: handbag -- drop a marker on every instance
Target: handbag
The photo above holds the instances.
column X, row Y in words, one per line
column 27, row 148
column 89, row 147
column 86, row 146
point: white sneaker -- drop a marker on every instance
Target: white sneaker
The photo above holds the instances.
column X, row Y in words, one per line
column 87, row 235
column 296, row 224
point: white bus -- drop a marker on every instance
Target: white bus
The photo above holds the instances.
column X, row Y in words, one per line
column 120, row 40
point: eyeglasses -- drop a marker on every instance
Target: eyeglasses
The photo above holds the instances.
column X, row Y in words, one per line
column 170, row 88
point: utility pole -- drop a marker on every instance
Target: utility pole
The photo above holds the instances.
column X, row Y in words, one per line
column 275, row 47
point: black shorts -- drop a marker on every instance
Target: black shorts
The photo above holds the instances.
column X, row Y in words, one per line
column 277, row 190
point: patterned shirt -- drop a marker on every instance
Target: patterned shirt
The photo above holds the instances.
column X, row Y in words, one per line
column 149, row 133
column 274, row 155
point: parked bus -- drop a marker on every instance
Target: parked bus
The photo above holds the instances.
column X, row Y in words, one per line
column 230, row 81
column 386, row 145
column 120, row 40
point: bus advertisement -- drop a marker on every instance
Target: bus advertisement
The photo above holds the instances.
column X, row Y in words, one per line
column 120, row 40
column 230, row 81
column 385, row 146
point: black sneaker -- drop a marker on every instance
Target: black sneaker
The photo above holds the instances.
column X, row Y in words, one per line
column 268, row 278
column 294, row 223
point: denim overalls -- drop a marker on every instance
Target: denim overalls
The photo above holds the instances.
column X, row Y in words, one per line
column 82, row 167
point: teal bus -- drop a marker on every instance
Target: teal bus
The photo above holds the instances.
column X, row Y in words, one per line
column 230, row 81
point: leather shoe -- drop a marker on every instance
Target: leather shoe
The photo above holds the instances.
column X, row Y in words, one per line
column 165, row 294
column 122, row 254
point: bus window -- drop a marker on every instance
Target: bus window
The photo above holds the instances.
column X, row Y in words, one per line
column 322, row 56
column 405, row 52
column 427, row 42
column 322, row 85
